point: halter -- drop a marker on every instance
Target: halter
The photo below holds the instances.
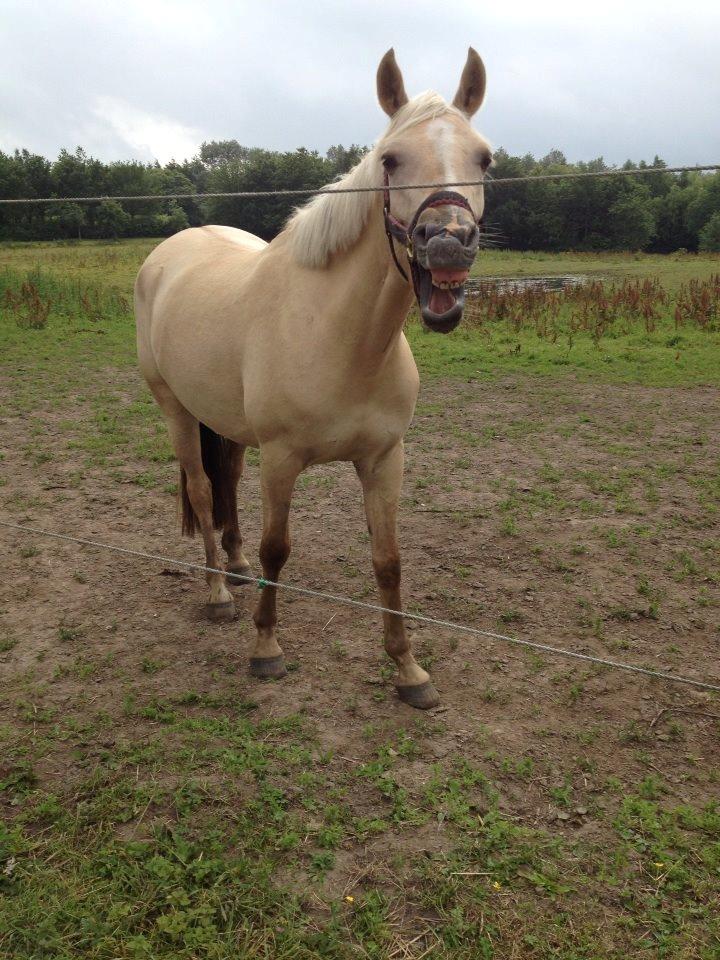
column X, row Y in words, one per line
column 396, row 229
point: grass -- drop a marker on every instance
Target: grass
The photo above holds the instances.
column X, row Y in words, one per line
column 635, row 359
column 143, row 820
column 88, row 287
column 169, row 845
column 629, row 331
column 116, row 263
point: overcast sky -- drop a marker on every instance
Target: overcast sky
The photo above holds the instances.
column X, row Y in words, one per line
column 150, row 79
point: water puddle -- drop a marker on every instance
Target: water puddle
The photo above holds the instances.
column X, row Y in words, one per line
column 477, row 285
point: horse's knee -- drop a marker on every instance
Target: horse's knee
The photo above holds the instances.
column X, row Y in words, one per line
column 274, row 551
column 387, row 571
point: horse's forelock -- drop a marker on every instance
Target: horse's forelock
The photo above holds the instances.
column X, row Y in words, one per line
column 426, row 106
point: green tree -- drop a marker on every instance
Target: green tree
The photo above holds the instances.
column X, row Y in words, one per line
column 76, row 174
column 174, row 220
column 658, row 211
column 342, row 159
column 704, row 201
column 66, row 220
column 264, row 170
column 632, row 221
column 173, row 179
column 111, row 220
column 709, row 236
column 215, row 153
column 672, row 231
column 24, row 174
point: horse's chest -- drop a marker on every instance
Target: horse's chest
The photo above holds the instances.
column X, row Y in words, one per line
column 353, row 431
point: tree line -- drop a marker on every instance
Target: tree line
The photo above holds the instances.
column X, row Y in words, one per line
column 661, row 212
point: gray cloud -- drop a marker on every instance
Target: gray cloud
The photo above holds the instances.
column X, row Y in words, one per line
column 153, row 78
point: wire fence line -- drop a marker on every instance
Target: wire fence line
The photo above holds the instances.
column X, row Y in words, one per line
column 319, row 191
column 375, row 608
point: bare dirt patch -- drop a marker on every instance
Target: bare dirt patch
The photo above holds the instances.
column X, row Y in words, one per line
column 511, row 522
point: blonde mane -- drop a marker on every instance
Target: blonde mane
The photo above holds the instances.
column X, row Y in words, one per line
column 330, row 224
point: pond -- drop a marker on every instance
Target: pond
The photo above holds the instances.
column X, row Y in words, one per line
column 475, row 285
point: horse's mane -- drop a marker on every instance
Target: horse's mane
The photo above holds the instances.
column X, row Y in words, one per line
column 327, row 224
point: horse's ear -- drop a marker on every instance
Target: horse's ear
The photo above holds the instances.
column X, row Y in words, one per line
column 471, row 91
column 390, row 86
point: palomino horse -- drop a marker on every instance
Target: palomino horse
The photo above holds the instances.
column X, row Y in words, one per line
column 297, row 346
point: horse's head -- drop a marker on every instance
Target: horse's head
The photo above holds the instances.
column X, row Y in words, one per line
column 430, row 141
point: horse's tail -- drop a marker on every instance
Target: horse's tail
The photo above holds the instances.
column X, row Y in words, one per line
column 217, row 459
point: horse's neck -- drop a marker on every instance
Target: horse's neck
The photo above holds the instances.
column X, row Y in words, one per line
column 366, row 298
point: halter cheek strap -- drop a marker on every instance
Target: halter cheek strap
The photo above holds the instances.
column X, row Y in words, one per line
column 396, row 229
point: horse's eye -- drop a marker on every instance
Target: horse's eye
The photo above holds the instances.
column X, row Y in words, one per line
column 390, row 162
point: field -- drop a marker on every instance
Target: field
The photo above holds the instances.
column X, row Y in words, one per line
column 155, row 802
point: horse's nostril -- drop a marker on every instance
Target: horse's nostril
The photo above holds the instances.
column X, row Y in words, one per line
column 467, row 235
column 429, row 230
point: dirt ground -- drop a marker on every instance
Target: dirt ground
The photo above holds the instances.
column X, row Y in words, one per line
column 569, row 514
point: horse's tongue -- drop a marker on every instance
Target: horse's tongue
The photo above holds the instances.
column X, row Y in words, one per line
column 441, row 300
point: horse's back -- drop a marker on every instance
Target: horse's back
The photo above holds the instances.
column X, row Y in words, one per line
column 233, row 235
column 181, row 266
column 193, row 249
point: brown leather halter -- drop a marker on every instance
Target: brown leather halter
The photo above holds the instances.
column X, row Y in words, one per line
column 396, row 229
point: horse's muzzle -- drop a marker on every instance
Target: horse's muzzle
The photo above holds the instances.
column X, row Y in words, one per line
column 443, row 257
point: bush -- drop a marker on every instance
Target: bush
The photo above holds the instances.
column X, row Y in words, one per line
column 709, row 236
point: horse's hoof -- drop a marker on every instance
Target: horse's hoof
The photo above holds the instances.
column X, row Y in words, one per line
column 268, row 668
column 423, row 696
column 243, row 572
column 220, row 612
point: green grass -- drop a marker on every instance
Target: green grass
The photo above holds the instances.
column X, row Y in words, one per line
column 661, row 359
column 106, row 263
column 169, row 846
column 116, row 263
column 89, row 285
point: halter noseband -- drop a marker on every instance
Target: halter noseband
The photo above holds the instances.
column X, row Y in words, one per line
column 396, row 229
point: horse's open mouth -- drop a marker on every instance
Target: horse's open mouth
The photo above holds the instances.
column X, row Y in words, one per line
column 441, row 297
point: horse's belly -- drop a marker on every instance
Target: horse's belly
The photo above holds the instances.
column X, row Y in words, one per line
column 205, row 379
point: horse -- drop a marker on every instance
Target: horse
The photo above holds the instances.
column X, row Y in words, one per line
column 296, row 347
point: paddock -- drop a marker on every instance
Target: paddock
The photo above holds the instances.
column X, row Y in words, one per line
column 546, row 808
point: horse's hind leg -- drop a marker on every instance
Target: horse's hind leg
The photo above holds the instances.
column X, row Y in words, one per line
column 184, row 432
column 231, row 538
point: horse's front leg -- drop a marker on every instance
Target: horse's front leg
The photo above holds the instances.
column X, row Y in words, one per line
column 381, row 479
column 278, row 473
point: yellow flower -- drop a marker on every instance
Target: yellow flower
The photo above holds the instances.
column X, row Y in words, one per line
column 350, row 899
column 658, row 865
column 496, row 885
